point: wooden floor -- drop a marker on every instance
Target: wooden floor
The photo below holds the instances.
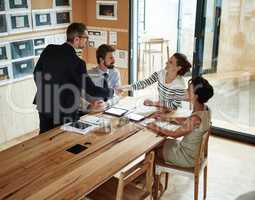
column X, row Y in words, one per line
column 231, row 172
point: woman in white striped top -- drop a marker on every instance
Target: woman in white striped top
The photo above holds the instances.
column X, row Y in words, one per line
column 171, row 84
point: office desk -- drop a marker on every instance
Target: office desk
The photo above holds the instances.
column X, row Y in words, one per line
column 41, row 168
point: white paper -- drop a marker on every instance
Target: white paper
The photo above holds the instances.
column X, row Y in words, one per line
column 112, row 38
column 121, row 58
column 23, row 66
column 167, row 125
column 43, row 18
column 18, row 2
column 97, row 37
column 91, row 119
column 1, row 72
column 134, row 117
column 20, row 22
column 22, row 46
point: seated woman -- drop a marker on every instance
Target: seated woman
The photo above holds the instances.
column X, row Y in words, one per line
column 182, row 153
column 171, row 85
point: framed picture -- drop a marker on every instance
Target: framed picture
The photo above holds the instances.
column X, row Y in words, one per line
column 62, row 3
column 22, row 49
column 19, row 5
column 20, row 22
column 3, row 25
column 38, row 51
column 38, row 42
column 4, row 72
column 23, row 68
column 42, row 19
column 2, row 5
column 106, row 10
column 4, row 53
column 63, row 17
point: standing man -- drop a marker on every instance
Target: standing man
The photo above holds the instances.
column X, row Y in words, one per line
column 104, row 75
column 60, row 75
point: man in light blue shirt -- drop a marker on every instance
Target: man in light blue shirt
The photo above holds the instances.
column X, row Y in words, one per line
column 104, row 75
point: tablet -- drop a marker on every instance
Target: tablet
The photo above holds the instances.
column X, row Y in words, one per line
column 135, row 117
column 116, row 111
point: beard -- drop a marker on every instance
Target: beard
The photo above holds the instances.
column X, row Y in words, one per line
column 110, row 66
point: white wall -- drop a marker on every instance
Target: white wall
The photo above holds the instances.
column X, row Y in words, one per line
column 161, row 20
column 17, row 113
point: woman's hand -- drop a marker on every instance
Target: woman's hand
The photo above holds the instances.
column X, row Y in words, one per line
column 159, row 116
column 157, row 129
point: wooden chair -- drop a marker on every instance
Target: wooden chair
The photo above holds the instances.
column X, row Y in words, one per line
column 124, row 187
column 201, row 162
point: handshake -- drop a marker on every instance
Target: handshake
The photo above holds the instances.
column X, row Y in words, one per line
column 121, row 89
column 100, row 105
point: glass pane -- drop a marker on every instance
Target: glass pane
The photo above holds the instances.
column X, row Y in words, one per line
column 209, row 35
column 186, row 27
column 234, row 102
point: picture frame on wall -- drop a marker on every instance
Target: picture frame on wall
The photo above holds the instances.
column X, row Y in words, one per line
column 106, row 10
column 19, row 5
column 4, row 73
column 5, row 55
column 22, row 49
column 63, row 18
column 20, row 22
column 42, row 19
column 3, row 25
column 2, row 5
column 23, row 68
column 62, row 4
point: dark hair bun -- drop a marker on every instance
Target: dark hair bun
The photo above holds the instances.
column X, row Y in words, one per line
column 203, row 89
column 183, row 62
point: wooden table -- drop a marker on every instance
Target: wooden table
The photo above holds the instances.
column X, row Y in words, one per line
column 41, row 168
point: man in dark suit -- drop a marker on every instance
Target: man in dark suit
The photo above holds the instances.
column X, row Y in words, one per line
column 60, row 75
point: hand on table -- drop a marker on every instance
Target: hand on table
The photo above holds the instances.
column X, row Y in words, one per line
column 97, row 105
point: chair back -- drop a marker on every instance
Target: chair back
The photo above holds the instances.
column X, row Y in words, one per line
column 202, row 155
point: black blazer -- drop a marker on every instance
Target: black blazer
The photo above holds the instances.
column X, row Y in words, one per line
column 60, row 75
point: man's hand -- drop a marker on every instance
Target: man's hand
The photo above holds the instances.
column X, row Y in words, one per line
column 118, row 90
column 97, row 105
column 148, row 102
